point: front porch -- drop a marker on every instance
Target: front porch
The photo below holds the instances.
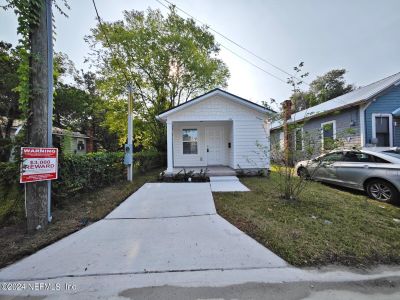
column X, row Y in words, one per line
column 197, row 145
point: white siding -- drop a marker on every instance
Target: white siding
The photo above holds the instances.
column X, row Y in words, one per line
column 245, row 128
column 252, row 146
column 199, row 159
column 214, row 108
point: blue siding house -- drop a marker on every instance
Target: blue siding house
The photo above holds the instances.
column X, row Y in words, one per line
column 371, row 112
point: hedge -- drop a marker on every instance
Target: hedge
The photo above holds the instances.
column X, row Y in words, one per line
column 77, row 173
column 94, row 170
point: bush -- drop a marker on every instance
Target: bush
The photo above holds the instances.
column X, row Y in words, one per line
column 87, row 172
column 76, row 173
column 94, row 170
column 148, row 160
column 11, row 194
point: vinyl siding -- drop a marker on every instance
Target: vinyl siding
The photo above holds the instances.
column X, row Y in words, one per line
column 199, row 159
column 347, row 133
column 252, row 146
column 386, row 103
column 244, row 130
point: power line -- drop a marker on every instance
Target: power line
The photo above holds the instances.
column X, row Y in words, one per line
column 254, row 65
column 128, row 80
column 235, row 43
column 108, row 42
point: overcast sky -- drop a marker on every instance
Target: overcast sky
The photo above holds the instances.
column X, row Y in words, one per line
column 362, row 36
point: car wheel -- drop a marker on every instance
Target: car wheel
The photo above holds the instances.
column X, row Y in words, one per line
column 382, row 190
column 303, row 173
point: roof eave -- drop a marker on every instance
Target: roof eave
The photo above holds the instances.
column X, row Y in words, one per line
column 325, row 112
column 163, row 116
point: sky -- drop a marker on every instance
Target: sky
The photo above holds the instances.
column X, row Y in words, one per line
column 361, row 36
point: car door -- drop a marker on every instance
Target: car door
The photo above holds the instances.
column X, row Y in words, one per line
column 353, row 168
column 357, row 166
column 325, row 170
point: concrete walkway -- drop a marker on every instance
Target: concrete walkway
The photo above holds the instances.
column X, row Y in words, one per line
column 227, row 184
column 164, row 234
column 163, row 227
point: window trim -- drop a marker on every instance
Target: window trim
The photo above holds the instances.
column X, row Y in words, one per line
column 302, row 138
column 197, row 141
column 281, row 140
column 333, row 122
column 374, row 115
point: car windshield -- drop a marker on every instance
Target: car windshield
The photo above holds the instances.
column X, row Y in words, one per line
column 393, row 153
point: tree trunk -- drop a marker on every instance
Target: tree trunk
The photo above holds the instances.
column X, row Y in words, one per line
column 287, row 113
column 36, row 192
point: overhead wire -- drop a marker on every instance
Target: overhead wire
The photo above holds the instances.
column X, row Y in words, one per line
column 238, row 45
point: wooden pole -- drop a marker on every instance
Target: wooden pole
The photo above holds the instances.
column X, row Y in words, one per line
column 37, row 192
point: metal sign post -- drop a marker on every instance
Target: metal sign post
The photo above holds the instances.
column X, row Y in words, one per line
column 128, row 160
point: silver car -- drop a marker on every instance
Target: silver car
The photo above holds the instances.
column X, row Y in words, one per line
column 377, row 173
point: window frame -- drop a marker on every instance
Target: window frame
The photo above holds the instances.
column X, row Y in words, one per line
column 333, row 122
column 371, row 158
column 374, row 116
column 323, row 158
column 197, row 141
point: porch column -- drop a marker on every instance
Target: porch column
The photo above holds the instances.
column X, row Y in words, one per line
column 170, row 166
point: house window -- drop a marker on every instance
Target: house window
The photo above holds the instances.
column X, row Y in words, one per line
column 328, row 135
column 81, row 145
column 298, row 136
column 281, row 140
column 189, row 139
column 382, row 129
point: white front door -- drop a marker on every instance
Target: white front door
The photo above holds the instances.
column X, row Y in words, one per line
column 215, row 145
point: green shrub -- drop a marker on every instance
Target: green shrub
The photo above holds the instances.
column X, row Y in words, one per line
column 11, row 194
column 76, row 173
column 87, row 172
column 94, row 170
column 148, row 160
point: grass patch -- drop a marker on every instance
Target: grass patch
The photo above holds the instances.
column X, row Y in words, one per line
column 362, row 233
column 69, row 215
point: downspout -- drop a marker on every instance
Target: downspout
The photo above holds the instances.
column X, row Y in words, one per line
column 362, row 123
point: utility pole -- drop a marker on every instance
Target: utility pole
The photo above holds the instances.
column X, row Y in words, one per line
column 40, row 113
column 130, row 135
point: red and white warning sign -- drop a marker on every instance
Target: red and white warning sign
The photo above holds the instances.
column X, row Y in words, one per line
column 38, row 164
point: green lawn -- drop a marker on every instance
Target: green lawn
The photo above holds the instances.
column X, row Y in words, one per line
column 362, row 232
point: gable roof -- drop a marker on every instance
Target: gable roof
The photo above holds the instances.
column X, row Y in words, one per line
column 215, row 92
column 353, row 98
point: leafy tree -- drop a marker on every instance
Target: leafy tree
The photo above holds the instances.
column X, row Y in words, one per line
column 72, row 107
column 78, row 107
column 167, row 59
column 9, row 105
column 330, row 85
column 326, row 87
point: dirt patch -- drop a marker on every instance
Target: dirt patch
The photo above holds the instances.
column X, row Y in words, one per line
column 383, row 289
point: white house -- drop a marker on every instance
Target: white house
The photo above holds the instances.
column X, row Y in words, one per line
column 217, row 129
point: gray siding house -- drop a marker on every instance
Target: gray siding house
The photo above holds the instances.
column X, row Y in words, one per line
column 366, row 117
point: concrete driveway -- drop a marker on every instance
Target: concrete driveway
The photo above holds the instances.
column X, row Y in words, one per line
column 163, row 227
